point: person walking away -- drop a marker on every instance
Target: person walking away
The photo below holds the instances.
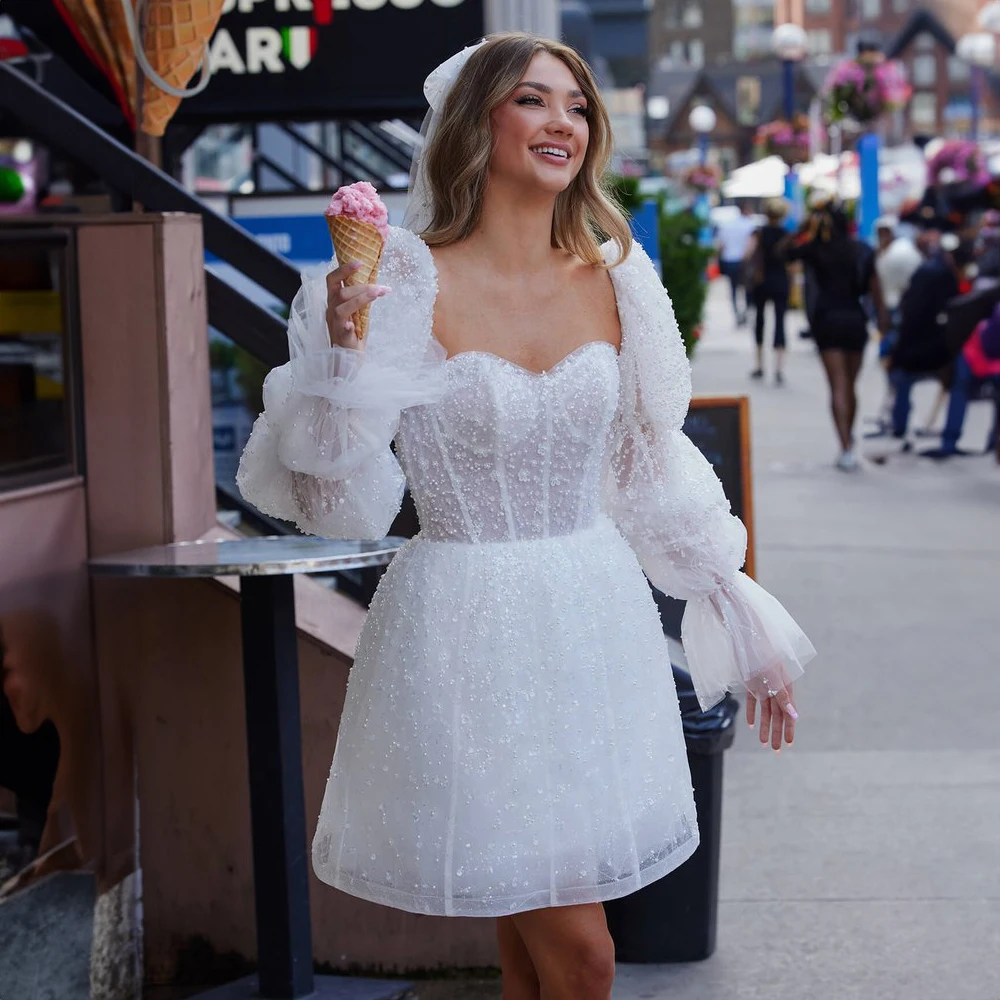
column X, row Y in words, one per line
column 896, row 261
column 976, row 365
column 769, row 283
column 922, row 349
column 733, row 240
column 845, row 274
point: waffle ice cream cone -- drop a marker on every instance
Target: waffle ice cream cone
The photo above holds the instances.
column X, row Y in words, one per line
column 174, row 37
column 357, row 241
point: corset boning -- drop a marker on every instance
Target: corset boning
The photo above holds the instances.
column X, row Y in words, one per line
column 509, row 454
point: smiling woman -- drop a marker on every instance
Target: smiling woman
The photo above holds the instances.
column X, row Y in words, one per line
column 497, row 118
column 510, row 744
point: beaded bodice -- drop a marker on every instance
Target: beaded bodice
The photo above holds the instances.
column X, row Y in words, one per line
column 511, row 454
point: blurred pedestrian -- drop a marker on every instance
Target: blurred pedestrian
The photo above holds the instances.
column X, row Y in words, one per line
column 896, row 260
column 768, row 278
column 733, row 240
column 921, row 351
column 976, row 366
column 988, row 249
column 845, row 275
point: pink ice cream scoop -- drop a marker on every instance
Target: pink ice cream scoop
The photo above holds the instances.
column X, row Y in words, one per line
column 360, row 201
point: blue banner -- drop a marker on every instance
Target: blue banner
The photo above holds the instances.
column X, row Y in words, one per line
column 304, row 239
column 868, row 206
column 646, row 230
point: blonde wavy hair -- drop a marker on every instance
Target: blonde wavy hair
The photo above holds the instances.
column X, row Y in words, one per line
column 458, row 158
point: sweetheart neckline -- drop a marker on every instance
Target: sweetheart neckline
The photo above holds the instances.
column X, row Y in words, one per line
column 531, row 371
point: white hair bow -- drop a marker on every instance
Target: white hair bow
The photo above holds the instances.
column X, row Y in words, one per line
column 440, row 81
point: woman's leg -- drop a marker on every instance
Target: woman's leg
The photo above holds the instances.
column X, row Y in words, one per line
column 780, row 307
column 835, row 365
column 520, row 981
column 571, row 950
column 760, row 301
column 853, row 361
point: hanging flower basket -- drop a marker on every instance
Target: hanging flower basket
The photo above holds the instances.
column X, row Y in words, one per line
column 958, row 162
column 789, row 140
column 703, row 178
column 864, row 89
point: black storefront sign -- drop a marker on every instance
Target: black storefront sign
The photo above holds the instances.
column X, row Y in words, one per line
column 306, row 60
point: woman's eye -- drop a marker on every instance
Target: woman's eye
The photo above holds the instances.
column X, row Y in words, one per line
column 530, row 99
column 580, row 110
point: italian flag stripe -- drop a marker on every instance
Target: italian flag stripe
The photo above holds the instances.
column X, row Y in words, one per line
column 299, row 44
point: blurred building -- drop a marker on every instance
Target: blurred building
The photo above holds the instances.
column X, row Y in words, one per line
column 941, row 104
column 690, row 33
column 834, row 26
column 753, row 24
column 742, row 94
column 621, row 39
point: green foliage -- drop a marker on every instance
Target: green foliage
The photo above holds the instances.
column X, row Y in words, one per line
column 225, row 355
column 684, row 262
column 625, row 190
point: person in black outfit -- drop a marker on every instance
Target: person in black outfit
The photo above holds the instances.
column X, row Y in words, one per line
column 845, row 275
column 921, row 351
column 769, row 282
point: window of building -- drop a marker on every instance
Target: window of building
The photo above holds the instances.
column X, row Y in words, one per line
column 748, row 99
column 924, row 43
column 871, row 9
column 692, row 16
column 923, row 111
column 677, row 54
column 696, row 53
column 958, row 69
column 900, row 6
column 818, row 6
column 820, row 41
column 38, row 398
column 671, row 15
column 924, row 72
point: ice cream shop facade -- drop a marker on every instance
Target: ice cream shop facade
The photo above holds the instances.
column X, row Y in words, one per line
column 132, row 349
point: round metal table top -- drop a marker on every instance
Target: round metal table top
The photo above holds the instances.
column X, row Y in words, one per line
column 267, row 556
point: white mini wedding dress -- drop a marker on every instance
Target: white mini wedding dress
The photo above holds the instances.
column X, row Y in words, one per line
column 511, row 737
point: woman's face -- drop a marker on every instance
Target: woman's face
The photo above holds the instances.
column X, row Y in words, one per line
column 540, row 132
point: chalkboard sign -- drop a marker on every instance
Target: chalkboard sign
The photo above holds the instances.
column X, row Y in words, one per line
column 720, row 427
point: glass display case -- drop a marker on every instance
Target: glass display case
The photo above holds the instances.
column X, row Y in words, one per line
column 39, row 394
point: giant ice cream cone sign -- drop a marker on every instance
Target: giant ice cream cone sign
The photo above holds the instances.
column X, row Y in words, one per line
column 101, row 30
column 175, row 38
column 171, row 37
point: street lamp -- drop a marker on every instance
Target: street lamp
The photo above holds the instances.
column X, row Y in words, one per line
column 791, row 45
column 702, row 121
column 978, row 49
column 989, row 17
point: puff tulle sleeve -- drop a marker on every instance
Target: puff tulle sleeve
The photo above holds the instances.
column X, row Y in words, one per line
column 319, row 455
column 668, row 502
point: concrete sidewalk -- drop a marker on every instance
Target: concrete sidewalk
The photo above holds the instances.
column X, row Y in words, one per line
column 864, row 863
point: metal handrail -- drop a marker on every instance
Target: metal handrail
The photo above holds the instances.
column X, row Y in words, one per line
column 254, row 328
column 382, row 144
column 61, row 127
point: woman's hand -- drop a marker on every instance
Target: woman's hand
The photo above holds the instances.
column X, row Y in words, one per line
column 343, row 301
column 777, row 717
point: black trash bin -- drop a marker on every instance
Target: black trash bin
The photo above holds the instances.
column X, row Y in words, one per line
column 674, row 918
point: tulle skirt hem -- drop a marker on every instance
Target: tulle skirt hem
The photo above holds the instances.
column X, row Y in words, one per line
column 430, row 905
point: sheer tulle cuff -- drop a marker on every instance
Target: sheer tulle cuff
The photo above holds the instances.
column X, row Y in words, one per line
column 739, row 636
column 352, row 381
column 343, row 409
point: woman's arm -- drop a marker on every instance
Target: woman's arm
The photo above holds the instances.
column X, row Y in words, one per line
column 669, row 504
column 319, row 455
